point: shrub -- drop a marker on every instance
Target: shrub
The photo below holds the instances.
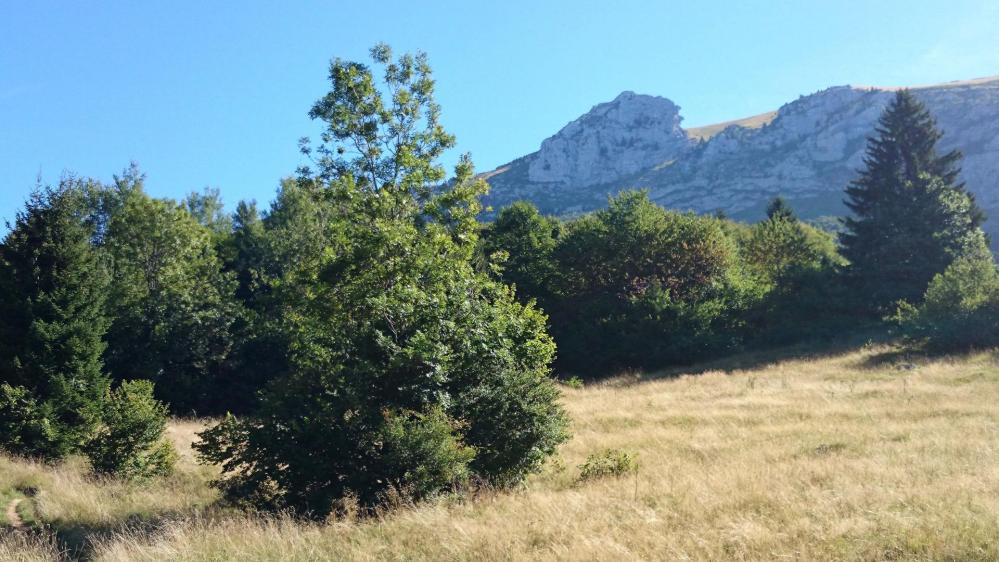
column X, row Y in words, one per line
column 425, row 452
column 642, row 287
column 24, row 424
column 129, row 440
column 960, row 309
column 796, row 268
column 612, row 462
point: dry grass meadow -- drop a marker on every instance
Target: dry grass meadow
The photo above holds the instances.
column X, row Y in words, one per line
column 864, row 454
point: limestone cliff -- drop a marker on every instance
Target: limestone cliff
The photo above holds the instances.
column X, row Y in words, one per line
column 806, row 152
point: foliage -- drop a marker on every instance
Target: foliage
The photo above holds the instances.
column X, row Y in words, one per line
column 53, row 287
column 911, row 217
column 425, row 453
column 129, row 439
column 208, row 209
column 410, row 370
column 637, row 286
column 25, row 428
column 796, row 266
column 528, row 240
column 779, row 209
column 612, row 462
column 781, row 249
column 960, row 309
column 641, row 287
column 173, row 307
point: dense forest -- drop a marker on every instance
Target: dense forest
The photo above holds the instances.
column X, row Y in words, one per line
column 367, row 336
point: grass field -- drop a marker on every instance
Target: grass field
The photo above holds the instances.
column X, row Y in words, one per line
column 864, row 454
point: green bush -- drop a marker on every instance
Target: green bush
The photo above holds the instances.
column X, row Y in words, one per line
column 641, row 287
column 129, row 439
column 425, row 452
column 796, row 267
column 24, row 425
column 960, row 309
column 612, row 462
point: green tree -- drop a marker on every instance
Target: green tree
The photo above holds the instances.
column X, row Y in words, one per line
column 778, row 208
column 208, row 209
column 53, row 286
column 642, row 287
column 172, row 304
column 780, row 249
column 128, row 441
column 796, row 266
column 527, row 240
column 274, row 259
column 910, row 216
column 960, row 309
column 411, row 371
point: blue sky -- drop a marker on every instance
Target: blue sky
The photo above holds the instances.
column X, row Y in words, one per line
column 216, row 93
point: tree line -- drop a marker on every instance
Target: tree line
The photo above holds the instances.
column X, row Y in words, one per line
column 366, row 337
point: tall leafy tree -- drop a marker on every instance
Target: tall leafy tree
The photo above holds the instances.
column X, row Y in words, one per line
column 274, row 258
column 528, row 240
column 53, row 286
column 911, row 216
column 411, row 370
column 781, row 248
column 172, row 303
column 208, row 209
column 641, row 287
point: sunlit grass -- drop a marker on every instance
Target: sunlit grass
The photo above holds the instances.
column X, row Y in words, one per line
column 864, row 455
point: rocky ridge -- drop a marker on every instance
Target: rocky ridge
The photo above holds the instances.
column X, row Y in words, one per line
column 806, row 152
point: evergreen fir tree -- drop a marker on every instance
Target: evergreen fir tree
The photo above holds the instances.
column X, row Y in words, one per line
column 779, row 209
column 52, row 322
column 911, row 216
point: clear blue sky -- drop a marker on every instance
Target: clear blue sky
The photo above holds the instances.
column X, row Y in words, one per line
column 216, row 93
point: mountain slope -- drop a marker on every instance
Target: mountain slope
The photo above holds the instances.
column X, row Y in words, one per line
column 807, row 151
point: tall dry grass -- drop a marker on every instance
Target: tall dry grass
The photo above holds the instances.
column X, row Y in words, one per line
column 864, row 455
column 78, row 508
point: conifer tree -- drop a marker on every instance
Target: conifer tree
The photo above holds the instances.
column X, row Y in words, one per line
column 911, row 216
column 52, row 321
column 779, row 209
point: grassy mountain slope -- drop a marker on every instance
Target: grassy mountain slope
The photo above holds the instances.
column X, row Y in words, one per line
column 754, row 122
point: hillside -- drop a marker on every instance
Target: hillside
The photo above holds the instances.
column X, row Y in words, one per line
column 860, row 454
column 755, row 122
column 806, row 151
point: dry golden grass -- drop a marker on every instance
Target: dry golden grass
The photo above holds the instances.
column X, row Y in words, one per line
column 857, row 456
column 80, row 508
column 754, row 122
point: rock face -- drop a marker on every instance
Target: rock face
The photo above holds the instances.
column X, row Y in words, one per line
column 807, row 153
column 615, row 139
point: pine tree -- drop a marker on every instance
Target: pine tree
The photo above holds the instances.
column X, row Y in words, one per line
column 52, row 322
column 911, row 216
column 779, row 209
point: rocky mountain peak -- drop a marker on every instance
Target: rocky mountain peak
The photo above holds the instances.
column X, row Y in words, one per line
column 613, row 139
column 807, row 152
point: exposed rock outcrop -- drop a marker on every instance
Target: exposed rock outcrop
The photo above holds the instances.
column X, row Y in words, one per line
column 806, row 153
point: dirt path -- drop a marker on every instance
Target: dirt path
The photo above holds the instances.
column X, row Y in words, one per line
column 13, row 518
